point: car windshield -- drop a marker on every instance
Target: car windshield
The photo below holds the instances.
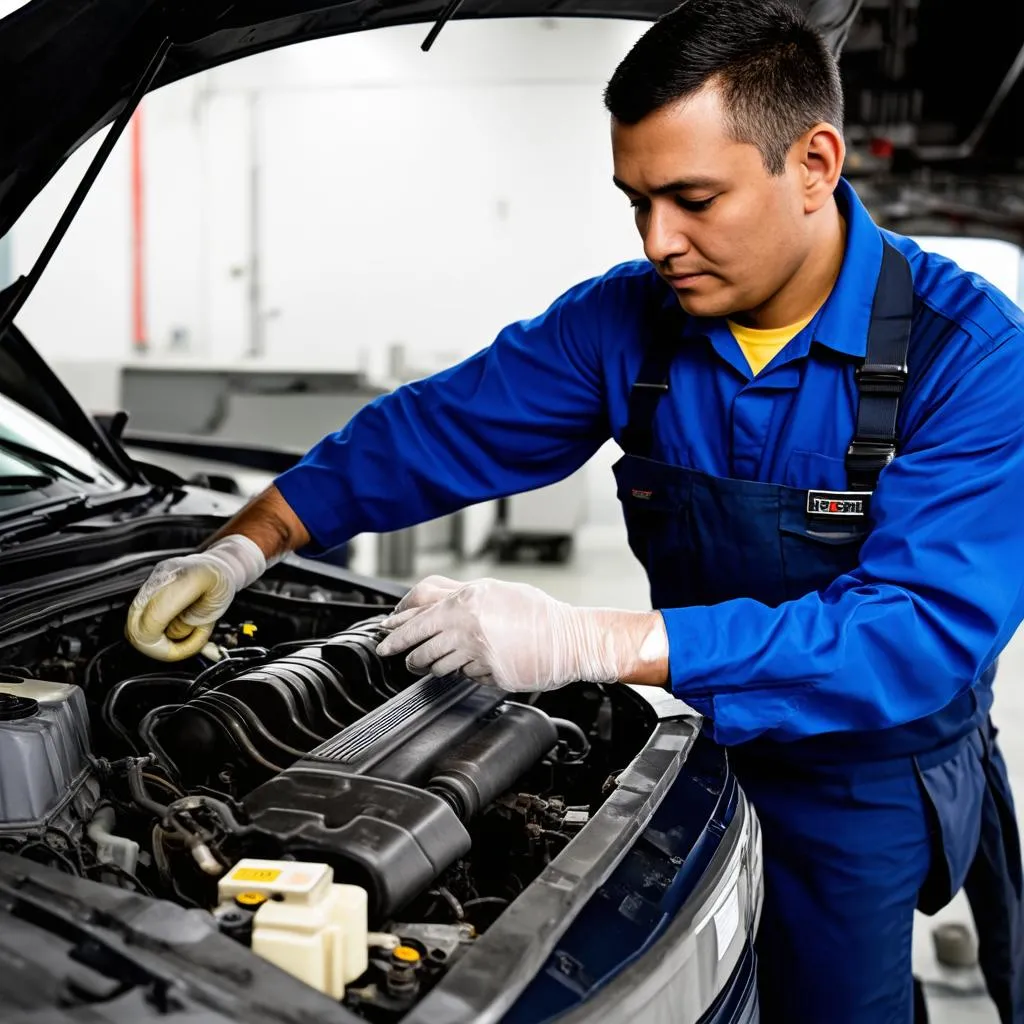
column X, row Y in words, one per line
column 38, row 463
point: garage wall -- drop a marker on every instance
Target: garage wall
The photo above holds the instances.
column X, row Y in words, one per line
column 399, row 198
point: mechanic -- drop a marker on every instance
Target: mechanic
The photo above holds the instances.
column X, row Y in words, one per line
column 835, row 613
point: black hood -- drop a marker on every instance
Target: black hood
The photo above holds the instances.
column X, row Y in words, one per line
column 68, row 66
column 940, row 75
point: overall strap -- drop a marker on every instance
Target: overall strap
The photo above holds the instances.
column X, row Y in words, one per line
column 651, row 384
column 882, row 377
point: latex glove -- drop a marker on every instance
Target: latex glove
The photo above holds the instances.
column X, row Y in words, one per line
column 175, row 611
column 516, row 637
column 428, row 591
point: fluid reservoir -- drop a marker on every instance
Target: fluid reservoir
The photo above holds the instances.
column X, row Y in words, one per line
column 44, row 741
column 305, row 923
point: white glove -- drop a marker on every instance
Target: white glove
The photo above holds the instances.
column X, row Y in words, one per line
column 175, row 611
column 517, row 637
column 428, row 591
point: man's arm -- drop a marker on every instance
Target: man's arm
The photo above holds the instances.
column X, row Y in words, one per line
column 268, row 521
column 525, row 412
column 937, row 594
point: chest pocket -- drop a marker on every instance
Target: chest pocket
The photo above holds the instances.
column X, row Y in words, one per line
column 815, row 552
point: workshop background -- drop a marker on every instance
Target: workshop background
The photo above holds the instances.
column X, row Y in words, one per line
column 275, row 242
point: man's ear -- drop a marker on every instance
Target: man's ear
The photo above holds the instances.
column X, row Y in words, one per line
column 821, row 152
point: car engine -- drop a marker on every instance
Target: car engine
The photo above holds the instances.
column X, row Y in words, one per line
column 439, row 798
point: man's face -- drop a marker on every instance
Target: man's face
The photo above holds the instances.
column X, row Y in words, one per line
column 721, row 230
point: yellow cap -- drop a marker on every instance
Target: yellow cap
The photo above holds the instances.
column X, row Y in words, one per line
column 406, row 953
column 250, row 899
column 249, row 628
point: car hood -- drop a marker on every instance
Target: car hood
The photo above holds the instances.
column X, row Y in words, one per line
column 72, row 64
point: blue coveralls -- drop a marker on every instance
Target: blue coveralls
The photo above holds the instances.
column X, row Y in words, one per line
column 846, row 663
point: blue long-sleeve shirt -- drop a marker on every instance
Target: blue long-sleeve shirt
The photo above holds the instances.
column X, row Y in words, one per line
column 940, row 585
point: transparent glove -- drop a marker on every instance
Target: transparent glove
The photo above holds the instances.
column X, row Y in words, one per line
column 173, row 614
column 428, row 591
column 518, row 638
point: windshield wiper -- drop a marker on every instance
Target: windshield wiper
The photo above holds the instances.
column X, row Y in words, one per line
column 21, row 524
column 37, row 455
column 24, row 482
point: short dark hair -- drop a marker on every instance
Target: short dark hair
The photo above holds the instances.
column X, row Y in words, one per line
column 777, row 76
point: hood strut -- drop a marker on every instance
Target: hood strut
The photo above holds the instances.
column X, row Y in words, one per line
column 19, row 292
column 446, row 15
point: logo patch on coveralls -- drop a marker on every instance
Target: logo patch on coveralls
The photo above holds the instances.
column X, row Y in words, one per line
column 642, row 495
column 844, row 505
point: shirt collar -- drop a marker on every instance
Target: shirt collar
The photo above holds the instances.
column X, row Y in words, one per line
column 843, row 321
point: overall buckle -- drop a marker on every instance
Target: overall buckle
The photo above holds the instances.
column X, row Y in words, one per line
column 869, row 457
column 881, row 379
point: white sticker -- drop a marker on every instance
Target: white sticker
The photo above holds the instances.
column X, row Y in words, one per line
column 727, row 920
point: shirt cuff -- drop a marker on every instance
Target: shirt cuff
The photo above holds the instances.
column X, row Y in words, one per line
column 716, row 665
column 322, row 503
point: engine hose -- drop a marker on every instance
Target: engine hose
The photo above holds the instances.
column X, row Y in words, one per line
column 449, row 897
column 485, row 901
column 137, row 788
column 108, row 711
column 208, row 803
column 112, row 849
column 236, row 661
column 563, row 725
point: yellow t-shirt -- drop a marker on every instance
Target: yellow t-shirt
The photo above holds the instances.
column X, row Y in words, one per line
column 761, row 347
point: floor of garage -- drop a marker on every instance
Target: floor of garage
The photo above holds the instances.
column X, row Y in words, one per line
column 603, row 572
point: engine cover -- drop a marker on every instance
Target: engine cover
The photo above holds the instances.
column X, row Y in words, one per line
column 391, row 838
column 345, row 758
column 385, row 801
column 262, row 719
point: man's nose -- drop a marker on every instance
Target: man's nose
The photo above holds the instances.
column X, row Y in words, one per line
column 664, row 235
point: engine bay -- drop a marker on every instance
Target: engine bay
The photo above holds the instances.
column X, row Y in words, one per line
column 440, row 799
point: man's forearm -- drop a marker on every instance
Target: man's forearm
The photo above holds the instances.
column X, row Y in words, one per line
column 642, row 633
column 269, row 522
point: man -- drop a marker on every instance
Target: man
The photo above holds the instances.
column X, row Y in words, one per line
column 834, row 612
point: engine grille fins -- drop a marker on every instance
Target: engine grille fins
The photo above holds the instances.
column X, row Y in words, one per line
column 269, row 715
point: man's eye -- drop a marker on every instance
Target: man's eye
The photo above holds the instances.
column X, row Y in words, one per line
column 695, row 205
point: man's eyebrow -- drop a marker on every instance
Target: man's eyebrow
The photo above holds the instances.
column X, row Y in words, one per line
column 683, row 185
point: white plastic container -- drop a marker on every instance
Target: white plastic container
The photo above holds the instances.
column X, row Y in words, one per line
column 308, row 926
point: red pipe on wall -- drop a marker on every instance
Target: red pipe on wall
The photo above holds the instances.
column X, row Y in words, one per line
column 139, row 340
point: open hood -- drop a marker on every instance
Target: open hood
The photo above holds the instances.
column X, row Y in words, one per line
column 939, row 85
column 72, row 64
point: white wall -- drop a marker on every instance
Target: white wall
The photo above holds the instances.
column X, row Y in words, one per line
column 81, row 306
column 402, row 198
column 409, row 198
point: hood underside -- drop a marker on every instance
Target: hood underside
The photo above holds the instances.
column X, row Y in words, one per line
column 939, row 82
column 73, row 63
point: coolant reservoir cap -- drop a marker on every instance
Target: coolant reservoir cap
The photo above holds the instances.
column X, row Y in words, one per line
column 13, row 707
column 406, row 954
column 250, row 899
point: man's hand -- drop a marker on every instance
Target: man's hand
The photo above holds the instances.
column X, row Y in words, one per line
column 517, row 637
column 174, row 613
column 177, row 608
